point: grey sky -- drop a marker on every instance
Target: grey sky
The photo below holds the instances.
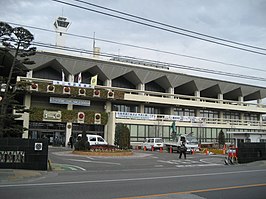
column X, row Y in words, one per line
column 242, row 21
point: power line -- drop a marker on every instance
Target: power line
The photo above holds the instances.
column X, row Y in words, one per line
column 178, row 66
column 160, row 28
column 170, row 26
column 141, row 47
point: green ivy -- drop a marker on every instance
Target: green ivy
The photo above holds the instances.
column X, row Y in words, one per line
column 74, row 91
column 36, row 114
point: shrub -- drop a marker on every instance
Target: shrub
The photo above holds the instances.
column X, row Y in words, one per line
column 122, row 136
column 82, row 143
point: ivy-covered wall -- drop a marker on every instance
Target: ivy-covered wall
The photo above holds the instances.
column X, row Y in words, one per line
column 36, row 114
column 43, row 87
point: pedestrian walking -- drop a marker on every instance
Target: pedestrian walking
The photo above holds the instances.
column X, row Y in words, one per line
column 183, row 150
column 71, row 142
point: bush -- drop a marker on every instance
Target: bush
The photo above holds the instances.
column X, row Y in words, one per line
column 122, row 136
column 82, row 143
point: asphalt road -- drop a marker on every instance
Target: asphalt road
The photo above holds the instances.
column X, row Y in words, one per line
column 144, row 175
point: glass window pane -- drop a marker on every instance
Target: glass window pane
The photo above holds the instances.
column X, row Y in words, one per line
column 141, row 132
column 134, row 131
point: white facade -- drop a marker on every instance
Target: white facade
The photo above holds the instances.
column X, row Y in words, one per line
column 153, row 97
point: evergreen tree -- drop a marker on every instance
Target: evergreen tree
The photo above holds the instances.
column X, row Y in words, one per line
column 16, row 40
column 221, row 139
column 122, row 136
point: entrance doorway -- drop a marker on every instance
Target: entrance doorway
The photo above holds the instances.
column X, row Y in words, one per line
column 54, row 132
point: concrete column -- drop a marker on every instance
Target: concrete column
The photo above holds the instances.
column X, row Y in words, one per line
column 71, row 78
column 141, row 87
column 171, row 90
column 108, row 82
column 26, row 116
column 197, row 113
column 141, row 108
column 259, row 102
column 108, row 107
column 221, row 116
column 220, row 98
column 241, row 99
column 29, row 74
column 241, row 117
column 68, row 125
column 109, row 130
column 197, row 94
column 68, row 131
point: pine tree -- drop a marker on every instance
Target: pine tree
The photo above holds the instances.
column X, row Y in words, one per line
column 16, row 40
column 221, row 139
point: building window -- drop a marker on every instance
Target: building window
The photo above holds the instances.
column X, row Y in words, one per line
column 231, row 115
column 125, row 108
column 184, row 112
column 251, row 116
column 209, row 114
column 152, row 110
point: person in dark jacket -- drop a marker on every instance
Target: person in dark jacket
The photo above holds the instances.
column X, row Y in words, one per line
column 183, row 150
column 71, row 142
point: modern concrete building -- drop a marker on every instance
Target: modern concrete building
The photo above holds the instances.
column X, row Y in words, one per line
column 147, row 97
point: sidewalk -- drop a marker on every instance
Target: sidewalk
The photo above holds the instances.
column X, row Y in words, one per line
column 16, row 175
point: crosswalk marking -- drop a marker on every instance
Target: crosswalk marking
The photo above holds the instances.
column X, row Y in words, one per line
column 181, row 163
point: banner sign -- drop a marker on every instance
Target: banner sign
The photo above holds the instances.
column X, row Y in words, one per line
column 73, row 84
column 145, row 116
column 136, row 116
column 79, row 102
column 183, row 118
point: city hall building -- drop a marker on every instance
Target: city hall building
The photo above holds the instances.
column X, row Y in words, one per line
column 147, row 98
column 68, row 94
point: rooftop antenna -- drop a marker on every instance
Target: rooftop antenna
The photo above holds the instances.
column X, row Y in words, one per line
column 93, row 45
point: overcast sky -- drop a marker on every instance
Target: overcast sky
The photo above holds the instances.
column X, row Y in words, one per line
column 242, row 21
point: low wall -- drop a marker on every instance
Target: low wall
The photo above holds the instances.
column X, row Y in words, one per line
column 250, row 152
column 19, row 153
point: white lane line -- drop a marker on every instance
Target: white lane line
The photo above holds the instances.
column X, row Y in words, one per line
column 197, row 165
column 96, row 162
column 77, row 167
column 130, row 179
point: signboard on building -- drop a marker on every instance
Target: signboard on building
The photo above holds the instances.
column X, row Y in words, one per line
column 136, row 116
column 52, row 116
column 79, row 102
column 74, row 84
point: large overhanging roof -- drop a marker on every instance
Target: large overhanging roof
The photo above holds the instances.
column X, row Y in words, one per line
column 135, row 73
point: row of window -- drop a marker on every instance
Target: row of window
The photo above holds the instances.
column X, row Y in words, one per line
column 138, row 133
column 232, row 115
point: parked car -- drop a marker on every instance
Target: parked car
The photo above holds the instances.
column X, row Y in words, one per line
column 150, row 143
column 191, row 143
column 95, row 139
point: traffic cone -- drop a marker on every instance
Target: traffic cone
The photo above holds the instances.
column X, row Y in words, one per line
column 192, row 152
column 207, row 152
column 223, row 151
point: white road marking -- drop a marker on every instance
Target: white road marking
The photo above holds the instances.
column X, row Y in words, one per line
column 129, row 179
column 96, row 162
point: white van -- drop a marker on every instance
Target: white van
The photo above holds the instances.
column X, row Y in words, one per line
column 156, row 143
column 95, row 139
